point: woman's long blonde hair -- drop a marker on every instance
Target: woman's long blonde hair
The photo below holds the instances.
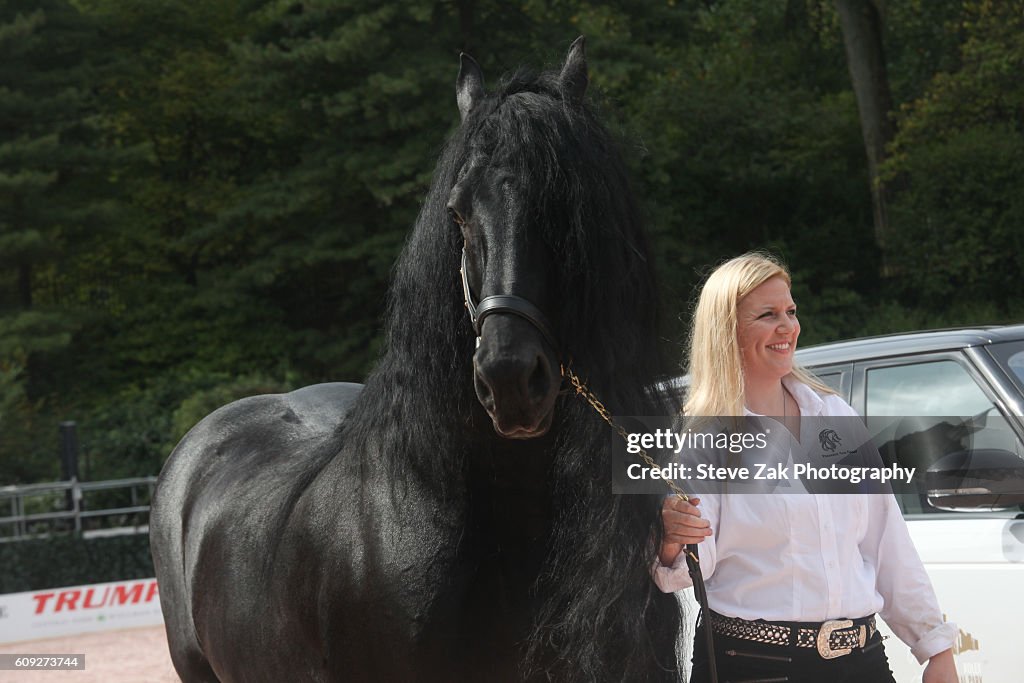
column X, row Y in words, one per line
column 715, row 364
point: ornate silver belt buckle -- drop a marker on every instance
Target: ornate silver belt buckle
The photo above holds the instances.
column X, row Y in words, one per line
column 825, row 632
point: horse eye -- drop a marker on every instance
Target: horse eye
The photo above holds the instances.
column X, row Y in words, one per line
column 456, row 217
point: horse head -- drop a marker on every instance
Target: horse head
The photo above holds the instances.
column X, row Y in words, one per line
column 507, row 221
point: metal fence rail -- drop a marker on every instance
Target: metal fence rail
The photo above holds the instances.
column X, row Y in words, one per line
column 90, row 508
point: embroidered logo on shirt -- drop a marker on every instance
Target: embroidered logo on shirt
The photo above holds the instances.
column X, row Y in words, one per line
column 829, row 440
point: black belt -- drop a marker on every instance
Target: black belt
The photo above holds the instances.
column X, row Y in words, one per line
column 833, row 638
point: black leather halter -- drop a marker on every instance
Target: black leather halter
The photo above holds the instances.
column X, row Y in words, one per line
column 504, row 303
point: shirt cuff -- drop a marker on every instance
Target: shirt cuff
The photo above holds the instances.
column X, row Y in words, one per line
column 940, row 638
column 674, row 577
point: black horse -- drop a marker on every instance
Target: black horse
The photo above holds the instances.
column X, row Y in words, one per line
column 453, row 519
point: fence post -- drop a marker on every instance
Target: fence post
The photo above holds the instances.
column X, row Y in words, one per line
column 69, row 469
column 68, row 450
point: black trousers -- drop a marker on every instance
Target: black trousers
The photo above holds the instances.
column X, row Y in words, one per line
column 745, row 661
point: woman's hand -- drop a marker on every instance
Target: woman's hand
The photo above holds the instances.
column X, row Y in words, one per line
column 941, row 669
column 683, row 526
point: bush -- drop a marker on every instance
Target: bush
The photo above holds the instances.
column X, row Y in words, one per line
column 69, row 561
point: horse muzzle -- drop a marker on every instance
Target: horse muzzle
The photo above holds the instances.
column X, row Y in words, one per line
column 516, row 377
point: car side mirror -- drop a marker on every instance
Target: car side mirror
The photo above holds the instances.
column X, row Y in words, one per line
column 986, row 478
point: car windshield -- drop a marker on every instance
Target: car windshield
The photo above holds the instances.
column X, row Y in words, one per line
column 1011, row 356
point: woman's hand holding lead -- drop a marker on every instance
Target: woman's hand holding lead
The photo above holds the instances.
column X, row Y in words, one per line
column 683, row 526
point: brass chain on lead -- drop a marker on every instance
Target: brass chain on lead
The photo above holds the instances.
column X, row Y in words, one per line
column 583, row 390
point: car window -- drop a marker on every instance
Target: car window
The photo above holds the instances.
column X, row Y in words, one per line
column 925, row 411
column 1016, row 364
column 1011, row 356
column 833, row 380
column 937, row 388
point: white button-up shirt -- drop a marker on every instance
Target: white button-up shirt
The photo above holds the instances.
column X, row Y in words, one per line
column 814, row 557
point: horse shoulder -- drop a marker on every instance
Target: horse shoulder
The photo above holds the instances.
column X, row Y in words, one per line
column 307, row 413
column 240, row 473
column 265, row 437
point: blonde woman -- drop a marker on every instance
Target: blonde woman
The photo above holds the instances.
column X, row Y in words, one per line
column 779, row 566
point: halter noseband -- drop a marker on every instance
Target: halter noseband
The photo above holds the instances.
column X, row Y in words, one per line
column 503, row 303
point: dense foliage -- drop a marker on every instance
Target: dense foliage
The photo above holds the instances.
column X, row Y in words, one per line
column 44, row 563
column 201, row 201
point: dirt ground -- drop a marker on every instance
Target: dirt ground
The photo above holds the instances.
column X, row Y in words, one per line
column 131, row 656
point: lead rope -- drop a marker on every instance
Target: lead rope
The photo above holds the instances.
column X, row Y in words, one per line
column 692, row 559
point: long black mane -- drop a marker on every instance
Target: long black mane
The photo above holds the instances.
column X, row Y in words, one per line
column 601, row 616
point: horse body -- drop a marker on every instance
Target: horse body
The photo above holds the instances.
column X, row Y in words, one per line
column 409, row 580
column 445, row 522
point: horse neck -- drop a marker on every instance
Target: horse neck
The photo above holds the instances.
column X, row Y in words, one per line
column 513, row 473
column 509, row 507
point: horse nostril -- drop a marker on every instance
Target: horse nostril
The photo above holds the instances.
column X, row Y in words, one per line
column 483, row 390
column 539, row 382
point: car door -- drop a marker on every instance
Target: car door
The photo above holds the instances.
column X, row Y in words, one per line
column 922, row 407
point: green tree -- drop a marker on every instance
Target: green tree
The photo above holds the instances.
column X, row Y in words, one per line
column 53, row 200
column 960, row 151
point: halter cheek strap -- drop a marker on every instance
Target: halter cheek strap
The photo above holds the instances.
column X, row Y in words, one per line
column 503, row 303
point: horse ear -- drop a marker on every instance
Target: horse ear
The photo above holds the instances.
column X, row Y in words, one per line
column 469, row 87
column 574, row 77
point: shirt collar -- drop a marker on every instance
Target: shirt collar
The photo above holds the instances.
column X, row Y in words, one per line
column 806, row 398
